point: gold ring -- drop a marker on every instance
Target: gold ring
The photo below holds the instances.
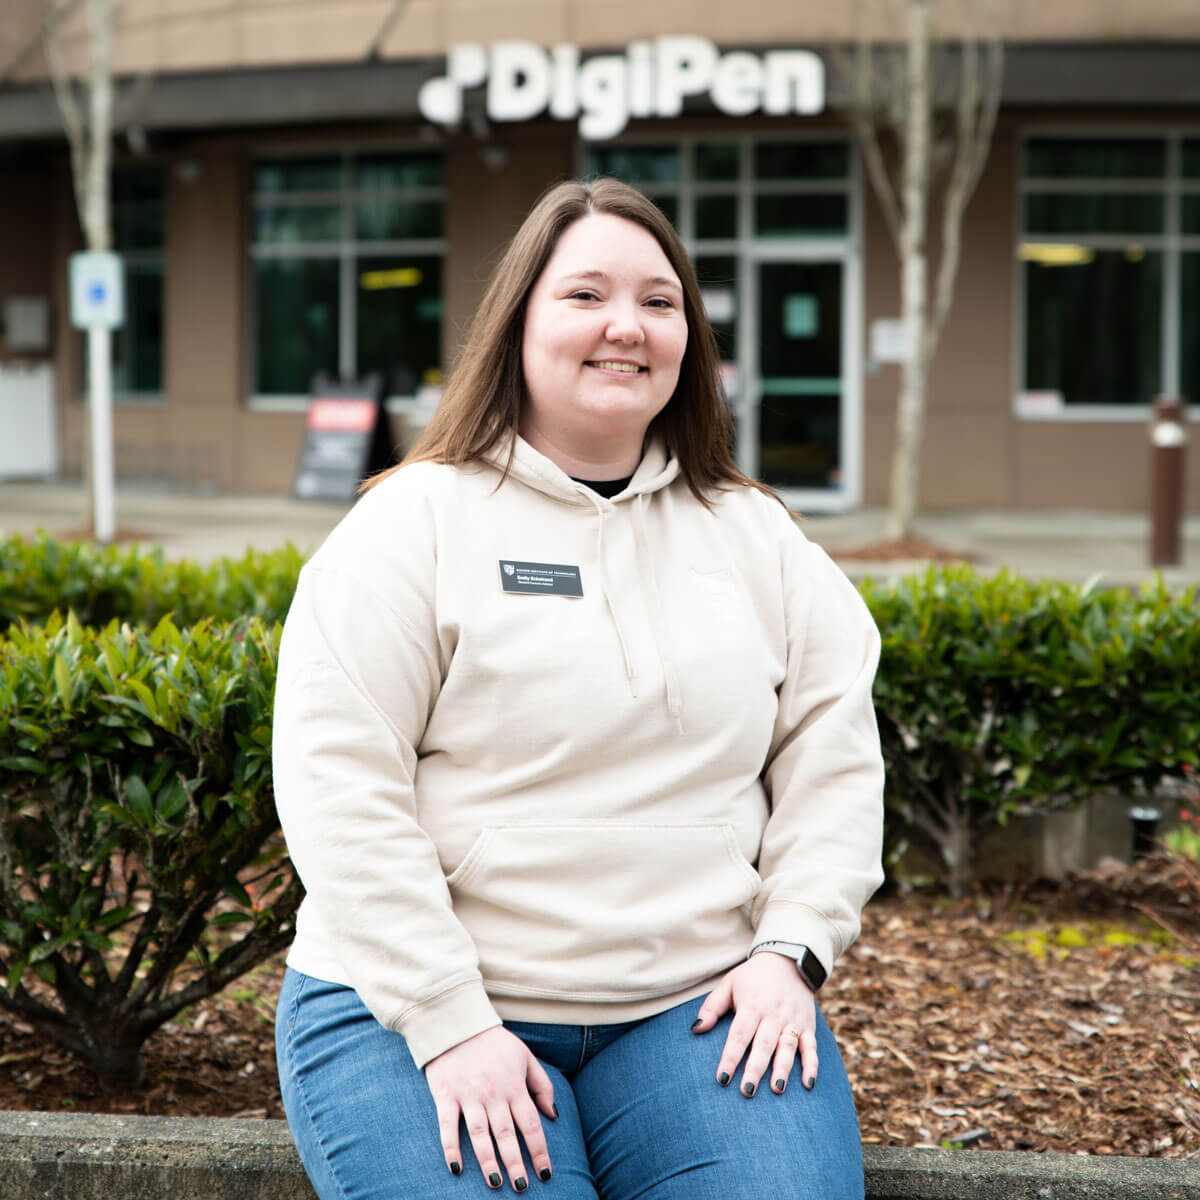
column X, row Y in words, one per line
column 790, row 1031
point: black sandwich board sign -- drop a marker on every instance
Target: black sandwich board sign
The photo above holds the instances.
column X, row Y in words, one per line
column 347, row 437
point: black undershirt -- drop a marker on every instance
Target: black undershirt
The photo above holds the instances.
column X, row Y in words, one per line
column 608, row 488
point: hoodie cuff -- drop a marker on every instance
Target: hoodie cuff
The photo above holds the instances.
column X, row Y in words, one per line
column 788, row 921
column 434, row 1026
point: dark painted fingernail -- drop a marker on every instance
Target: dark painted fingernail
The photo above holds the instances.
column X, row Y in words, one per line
column 456, row 1168
column 808, row 1083
column 555, row 1108
column 747, row 1089
column 697, row 1021
column 493, row 1180
column 780, row 1084
column 544, row 1174
column 520, row 1183
column 723, row 1078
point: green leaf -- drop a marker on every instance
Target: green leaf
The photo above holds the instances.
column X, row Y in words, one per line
column 232, row 918
column 138, row 798
column 62, row 681
column 139, row 736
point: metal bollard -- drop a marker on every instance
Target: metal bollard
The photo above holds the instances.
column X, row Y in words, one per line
column 1168, row 441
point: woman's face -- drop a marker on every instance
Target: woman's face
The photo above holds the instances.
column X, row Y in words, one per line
column 604, row 336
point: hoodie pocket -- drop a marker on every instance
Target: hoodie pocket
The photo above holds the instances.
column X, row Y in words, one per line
column 598, row 910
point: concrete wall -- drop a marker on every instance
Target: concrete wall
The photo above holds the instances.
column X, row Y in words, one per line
column 56, row 1156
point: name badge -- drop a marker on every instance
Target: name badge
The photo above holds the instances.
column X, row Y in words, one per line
column 540, row 579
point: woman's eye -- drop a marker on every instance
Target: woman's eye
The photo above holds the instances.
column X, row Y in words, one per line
column 661, row 302
column 583, row 294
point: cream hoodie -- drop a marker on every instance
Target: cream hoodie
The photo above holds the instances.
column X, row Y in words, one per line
column 579, row 810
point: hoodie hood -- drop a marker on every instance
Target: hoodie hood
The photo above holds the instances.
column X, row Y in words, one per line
column 532, row 468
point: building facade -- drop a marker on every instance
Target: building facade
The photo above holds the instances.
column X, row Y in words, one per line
column 296, row 191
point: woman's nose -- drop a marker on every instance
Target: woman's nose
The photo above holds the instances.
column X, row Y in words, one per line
column 625, row 325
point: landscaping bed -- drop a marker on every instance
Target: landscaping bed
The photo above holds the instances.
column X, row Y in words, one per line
column 1058, row 1017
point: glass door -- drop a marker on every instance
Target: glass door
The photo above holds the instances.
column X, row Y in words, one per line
column 800, row 374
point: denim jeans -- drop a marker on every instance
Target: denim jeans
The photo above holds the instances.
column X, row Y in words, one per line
column 640, row 1111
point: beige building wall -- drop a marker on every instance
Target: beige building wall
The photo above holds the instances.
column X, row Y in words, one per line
column 199, row 35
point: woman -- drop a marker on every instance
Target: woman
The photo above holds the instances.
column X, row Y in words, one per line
column 576, row 757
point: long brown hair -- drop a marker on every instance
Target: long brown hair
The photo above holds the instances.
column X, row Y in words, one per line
column 485, row 391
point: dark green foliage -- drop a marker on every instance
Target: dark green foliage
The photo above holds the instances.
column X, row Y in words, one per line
column 140, row 863
column 100, row 584
column 1001, row 696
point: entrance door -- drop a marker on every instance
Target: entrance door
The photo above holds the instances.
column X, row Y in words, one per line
column 800, row 374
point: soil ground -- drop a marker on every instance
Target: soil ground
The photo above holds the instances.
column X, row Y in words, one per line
column 1051, row 1016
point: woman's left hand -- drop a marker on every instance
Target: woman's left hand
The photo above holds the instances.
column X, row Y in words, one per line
column 769, row 998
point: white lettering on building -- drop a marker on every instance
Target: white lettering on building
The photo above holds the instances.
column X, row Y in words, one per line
column 651, row 79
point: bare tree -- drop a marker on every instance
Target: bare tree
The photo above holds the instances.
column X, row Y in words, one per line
column 90, row 114
column 923, row 117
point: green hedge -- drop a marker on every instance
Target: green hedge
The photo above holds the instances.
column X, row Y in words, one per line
column 141, row 867
column 99, row 584
column 999, row 696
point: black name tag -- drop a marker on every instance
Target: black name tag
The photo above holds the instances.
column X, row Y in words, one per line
column 540, row 579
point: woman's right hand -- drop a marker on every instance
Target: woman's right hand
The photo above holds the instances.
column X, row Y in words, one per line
column 493, row 1080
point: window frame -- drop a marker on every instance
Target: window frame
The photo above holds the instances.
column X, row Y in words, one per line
column 1171, row 243
column 344, row 251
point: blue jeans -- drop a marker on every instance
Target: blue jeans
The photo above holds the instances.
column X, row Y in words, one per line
column 640, row 1111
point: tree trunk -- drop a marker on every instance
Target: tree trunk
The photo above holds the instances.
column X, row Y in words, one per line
column 913, row 271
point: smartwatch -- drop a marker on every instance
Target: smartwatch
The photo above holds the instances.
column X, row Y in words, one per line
column 807, row 963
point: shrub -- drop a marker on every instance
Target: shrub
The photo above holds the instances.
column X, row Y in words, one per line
column 100, row 584
column 140, row 864
column 1001, row 696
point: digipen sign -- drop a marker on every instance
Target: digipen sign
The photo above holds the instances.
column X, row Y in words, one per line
column 651, row 79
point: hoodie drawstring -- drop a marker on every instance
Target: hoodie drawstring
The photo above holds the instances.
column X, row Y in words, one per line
column 630, row 673
column 661, row 638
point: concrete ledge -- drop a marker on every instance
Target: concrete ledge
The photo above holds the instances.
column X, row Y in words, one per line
column 83, row 1156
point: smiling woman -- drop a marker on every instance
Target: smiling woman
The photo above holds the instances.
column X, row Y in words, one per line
column 576, row 756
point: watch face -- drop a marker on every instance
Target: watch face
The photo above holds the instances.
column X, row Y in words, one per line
column 811, row 969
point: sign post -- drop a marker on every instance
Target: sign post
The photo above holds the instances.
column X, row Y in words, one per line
column 98, row 306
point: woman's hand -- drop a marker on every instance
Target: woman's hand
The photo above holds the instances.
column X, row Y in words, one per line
column 493, row 1079
column 769, row 997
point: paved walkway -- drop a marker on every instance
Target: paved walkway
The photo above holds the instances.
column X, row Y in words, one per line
column 1066, row 545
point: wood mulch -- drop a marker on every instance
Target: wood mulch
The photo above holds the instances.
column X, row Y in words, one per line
column 903, row 549
column 1048, row 1017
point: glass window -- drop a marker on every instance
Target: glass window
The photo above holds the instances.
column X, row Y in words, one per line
column 386, row 218
column 820, row 214
column 1190, row 158
column 399, row 171
column 137, row 346
column 1095, row 158
column 1189, row 328
column 635, row 164
column 296, row 301
column 718, row 277
column 297, row 175
column 801, row 160
column 1096, row 212
column 1093, row 328
column 717, row 161
column 308, row 248
column 1190, row 216
column 399, row 329
column 138, row 215
column 284, row 223
column 716, row 216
